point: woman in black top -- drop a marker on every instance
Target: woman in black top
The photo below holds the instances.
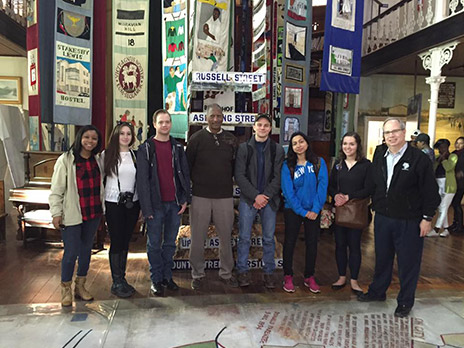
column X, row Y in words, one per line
column 349, row 179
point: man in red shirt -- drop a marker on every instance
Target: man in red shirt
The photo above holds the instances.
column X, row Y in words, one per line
column 163, row 186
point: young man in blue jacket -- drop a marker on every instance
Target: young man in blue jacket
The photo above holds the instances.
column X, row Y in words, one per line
column 163, row 186
column 257, row 173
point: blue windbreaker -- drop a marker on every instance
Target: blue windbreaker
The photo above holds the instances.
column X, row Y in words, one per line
column 304, row 192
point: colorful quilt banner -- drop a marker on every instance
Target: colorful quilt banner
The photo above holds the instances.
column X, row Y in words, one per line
column 211, row 38
column 176, row 94
column 341, row 66
column 130, row 63
column 72, row 84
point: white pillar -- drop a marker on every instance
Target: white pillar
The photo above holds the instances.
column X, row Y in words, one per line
column 433, row 60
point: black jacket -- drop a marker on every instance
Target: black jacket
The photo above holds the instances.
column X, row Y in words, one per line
column 459, row 169
column 413, row 190
column 247, row 177
column 148, row 186
column 356, row 182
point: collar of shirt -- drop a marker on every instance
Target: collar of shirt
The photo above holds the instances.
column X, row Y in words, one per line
column 399, row 153
column 207, row 128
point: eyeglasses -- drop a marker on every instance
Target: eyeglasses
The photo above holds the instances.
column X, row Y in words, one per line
column 216, row 140
column 394, row 132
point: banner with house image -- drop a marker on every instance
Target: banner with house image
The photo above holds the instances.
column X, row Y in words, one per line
column 73, row 63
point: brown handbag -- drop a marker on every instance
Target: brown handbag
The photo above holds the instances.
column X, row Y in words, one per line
column 353, row 214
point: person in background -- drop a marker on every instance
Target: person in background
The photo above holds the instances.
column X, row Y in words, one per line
column 163, row 183
column 423, row 143
column 211, row 154
column 76, row 207
column 445, row 164
column 414, row 135
column 405, row 197
column 121, row 203
column 257, row 173
column 349, row 178
column 457, row 225
column 304, row 186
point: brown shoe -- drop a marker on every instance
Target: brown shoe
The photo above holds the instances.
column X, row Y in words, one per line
column 269, row 282
column 80, row 291
column 243, row 279
column 230, row 282
column 66, row 294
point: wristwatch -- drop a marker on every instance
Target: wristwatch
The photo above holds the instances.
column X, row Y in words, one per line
column 427, row 218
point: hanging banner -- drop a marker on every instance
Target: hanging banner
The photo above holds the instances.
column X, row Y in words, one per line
column 212, row 34
column 341, row 66
column 296, row 64
column 174, row 36
column 73, row 62
column 130, row 63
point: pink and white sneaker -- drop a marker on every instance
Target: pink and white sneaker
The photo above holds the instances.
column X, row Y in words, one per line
column 312, row 285
column 288, row 284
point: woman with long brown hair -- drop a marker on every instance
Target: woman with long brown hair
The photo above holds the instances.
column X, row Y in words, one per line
column 349, row 179
column 121, row 202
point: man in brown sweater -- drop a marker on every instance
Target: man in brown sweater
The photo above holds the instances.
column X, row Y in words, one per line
column 210, row 154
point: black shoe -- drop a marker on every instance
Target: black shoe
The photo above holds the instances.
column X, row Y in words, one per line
column 157, row 289
column 357, row 292
column 367, row 297
column 230, row 282
column 170, row 284
column 120, row 290
column 196, row 283
column 338, row 286
column 402, row 311
column 128, row 287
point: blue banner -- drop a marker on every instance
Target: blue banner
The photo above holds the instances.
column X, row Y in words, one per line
column 341, row 66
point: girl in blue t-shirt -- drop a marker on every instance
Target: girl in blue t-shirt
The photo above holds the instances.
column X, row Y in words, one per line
column 304, row 185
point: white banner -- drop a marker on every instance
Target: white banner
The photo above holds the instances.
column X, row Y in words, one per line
column 130, row 63
column 236, row 78
column 229, row 119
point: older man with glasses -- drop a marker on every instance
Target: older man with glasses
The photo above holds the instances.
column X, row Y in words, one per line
column 210, row 154
column 404, row 199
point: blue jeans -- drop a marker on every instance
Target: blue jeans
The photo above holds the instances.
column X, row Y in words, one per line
column 77, row 241
column 161, row 243
column 247, row 215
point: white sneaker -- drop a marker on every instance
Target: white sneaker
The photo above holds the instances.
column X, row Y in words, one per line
column 432, row 233
column 444, row 234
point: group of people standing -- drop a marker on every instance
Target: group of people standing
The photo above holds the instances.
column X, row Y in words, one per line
column 158, row 182
column 449, row 174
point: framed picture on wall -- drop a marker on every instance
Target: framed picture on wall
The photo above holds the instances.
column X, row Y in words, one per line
column 295, row 73
column 10, row 90
column 293, row 103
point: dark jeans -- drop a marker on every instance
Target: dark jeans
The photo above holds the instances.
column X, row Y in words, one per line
column 402, row 237
column 348, row 238
column 161, row 243
column 77, row 241
column 121, row 222
column 456, row 204
column 311, row 232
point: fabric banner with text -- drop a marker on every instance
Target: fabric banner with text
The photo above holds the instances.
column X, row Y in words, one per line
column 130, row 63
column 341, row 66
column 72, row 92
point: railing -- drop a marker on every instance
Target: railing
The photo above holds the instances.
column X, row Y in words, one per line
column 403, row 19
column 16, row 9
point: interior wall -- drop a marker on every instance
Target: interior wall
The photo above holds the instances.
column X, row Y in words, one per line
column 13, row 66
column 385, row 95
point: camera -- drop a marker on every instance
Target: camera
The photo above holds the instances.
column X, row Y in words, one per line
column 126, row 198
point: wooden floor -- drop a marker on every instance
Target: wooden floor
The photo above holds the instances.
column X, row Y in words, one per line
column 31, row 274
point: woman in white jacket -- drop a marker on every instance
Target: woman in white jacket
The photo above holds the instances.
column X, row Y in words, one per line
column 76, row 207
column 121, row 202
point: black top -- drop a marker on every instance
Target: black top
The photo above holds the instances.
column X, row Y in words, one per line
column 413, row 190
column 459, row 168
column 211, row 162
column 355, row 182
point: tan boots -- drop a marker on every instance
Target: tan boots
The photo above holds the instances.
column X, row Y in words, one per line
column 66, row 294
column 80, row 291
